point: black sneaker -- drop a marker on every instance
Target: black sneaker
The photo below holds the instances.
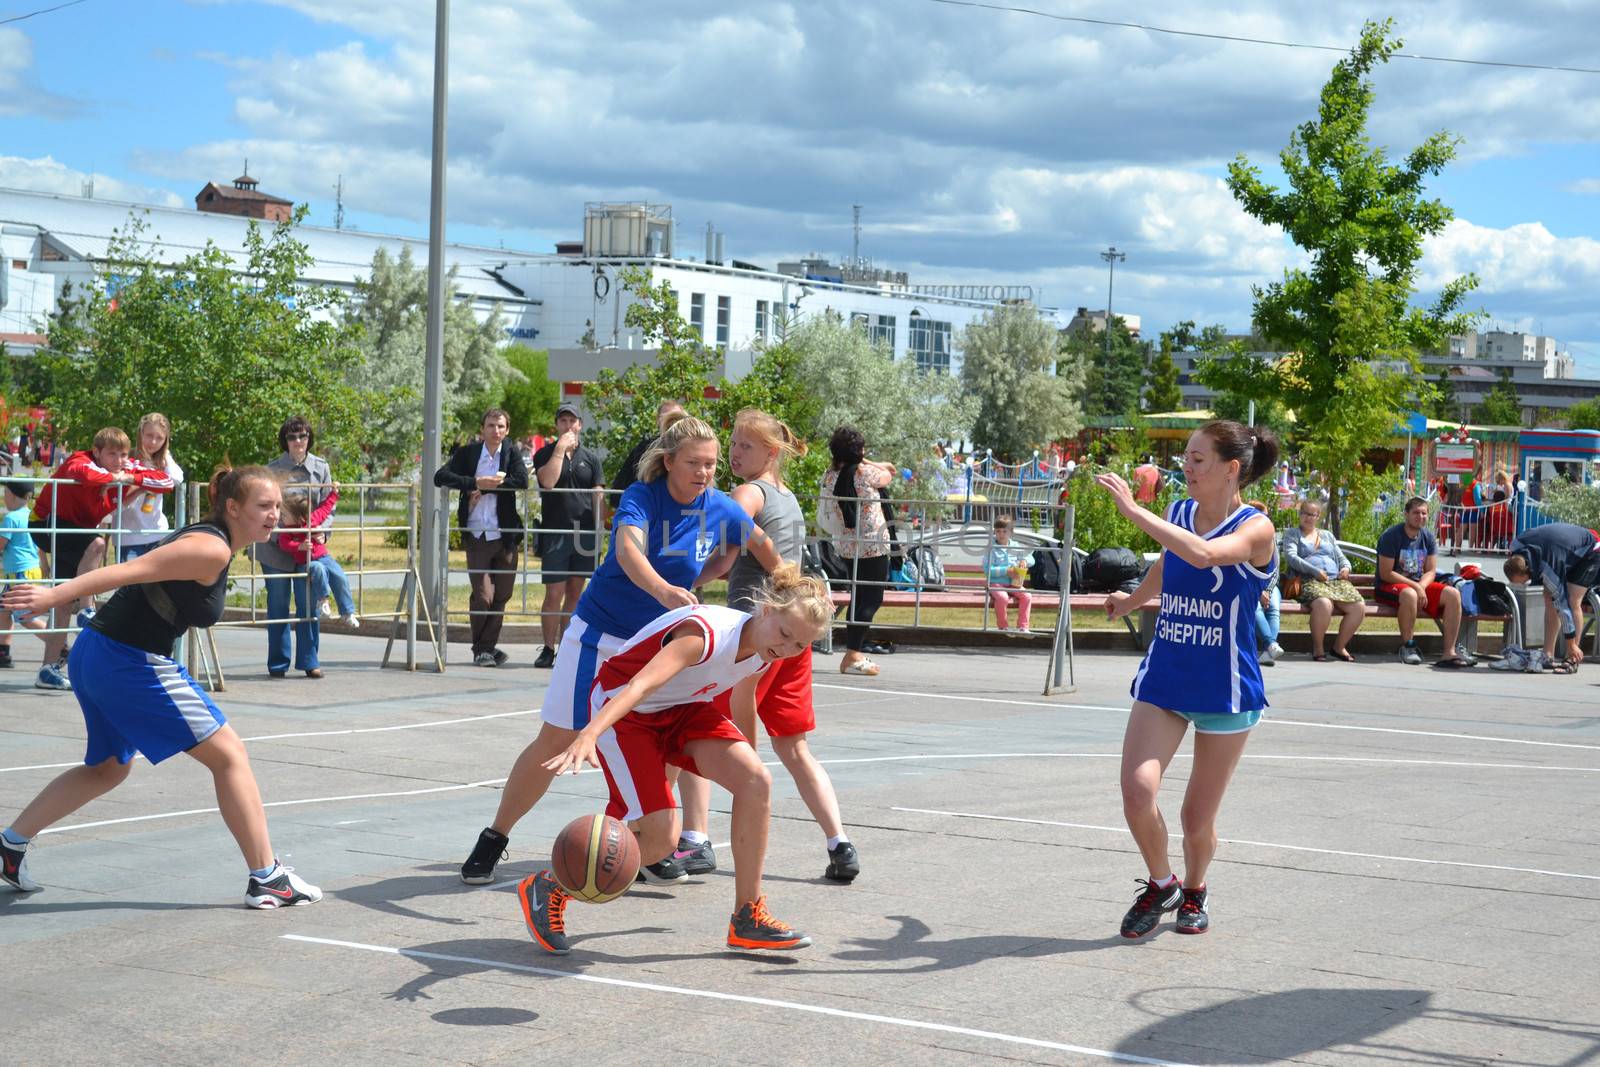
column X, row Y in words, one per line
column 843, row 863
column 667, row 872
column 547, row 658
column 484, row 659
column 1151, row 903
column 283, row 890
column 500, row 657
column 696, row 859
column 490, row 850
column 5, row 658
column 1192, row 915
column 753, row 927
column 544, row 909
column 14, row 867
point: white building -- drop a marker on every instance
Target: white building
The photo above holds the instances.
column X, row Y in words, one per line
column 48, row 241
column 571, row 302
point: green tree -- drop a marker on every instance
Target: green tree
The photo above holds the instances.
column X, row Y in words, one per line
column 226, row 345
column 1584, row 415
column 1501, row 406
column 899, row 410
column 624, row 403
column 1161, row 390
column 531, row 400
column 1362, row 221
column 1112, row 374
column 770, row 387
column 391, row 311
column 1008, row 368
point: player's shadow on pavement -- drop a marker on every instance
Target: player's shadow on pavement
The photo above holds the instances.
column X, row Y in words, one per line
column 1280, row 1027
column 31, row 903
column 389, row 894
column 911, row 942
column 517, row 956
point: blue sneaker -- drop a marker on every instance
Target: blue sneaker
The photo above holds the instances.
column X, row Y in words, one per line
column 51, row 678
column 83, row 618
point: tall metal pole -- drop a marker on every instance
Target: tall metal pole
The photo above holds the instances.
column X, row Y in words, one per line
column 1111, row 256
column 433, row 375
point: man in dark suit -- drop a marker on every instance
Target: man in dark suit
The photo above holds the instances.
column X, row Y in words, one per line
column 489, row 475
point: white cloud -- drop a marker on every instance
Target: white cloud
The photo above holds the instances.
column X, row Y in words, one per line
column 45, row 175
column 1585, row 187
column 20, row 91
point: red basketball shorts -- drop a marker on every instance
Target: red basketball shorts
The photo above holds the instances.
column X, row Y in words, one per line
column 634, row 754
column 783, row 697
column 1389, row 593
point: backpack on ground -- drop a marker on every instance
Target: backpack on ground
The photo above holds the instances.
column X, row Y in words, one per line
column 1108, row 570
column 923, row 561
column 1045, row 573
column 822, row 559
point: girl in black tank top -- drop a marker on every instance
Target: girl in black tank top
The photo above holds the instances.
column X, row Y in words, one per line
column 136, row 699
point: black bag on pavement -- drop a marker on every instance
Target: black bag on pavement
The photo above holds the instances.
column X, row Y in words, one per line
column 823, row 559
column 1108, row 570
column 929, row 568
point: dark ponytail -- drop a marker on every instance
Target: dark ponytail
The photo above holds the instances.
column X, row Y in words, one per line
column 233, row 483
column 1255, row 447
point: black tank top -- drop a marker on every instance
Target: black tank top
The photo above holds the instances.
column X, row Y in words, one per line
column 153, row 615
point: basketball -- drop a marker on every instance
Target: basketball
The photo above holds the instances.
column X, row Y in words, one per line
column 595, row 858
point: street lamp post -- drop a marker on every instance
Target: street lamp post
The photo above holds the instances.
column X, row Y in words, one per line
column 433, row 374
column 1111, row 256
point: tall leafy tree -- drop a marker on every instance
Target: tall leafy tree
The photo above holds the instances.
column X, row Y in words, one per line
column 1112, row 374
column 226, row 343
column 531, row 401
column 1161, row 389
column 1362, row 220
column 1500, row 406
column 1008, row 368
column 1584, row 415
column 391, row 311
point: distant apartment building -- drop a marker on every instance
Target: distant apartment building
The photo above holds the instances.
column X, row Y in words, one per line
column 1095, row 321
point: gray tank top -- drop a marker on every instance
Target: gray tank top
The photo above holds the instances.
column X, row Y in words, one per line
column 782, row 520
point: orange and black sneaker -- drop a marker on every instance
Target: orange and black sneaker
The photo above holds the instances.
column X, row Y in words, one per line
column 753, row 927
column 544, row 909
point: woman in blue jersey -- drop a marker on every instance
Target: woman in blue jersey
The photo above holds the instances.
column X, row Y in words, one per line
column 667, row 526
column 1219, row 554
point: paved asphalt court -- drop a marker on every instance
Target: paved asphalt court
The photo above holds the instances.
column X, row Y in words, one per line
column 1409, row 874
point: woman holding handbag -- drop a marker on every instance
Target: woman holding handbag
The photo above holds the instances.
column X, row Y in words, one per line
column 1318, row 575
column 850, row 510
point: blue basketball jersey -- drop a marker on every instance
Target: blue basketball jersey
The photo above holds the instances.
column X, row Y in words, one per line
column 1203, row 656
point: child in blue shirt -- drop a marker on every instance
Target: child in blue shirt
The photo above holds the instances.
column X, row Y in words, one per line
column 1003, row 566
column 19, row 560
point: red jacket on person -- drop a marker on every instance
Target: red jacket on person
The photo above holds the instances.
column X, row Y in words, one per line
column 93, row 494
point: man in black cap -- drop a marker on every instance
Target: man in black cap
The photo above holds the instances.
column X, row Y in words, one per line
column 570, row 490
column 1565, row 559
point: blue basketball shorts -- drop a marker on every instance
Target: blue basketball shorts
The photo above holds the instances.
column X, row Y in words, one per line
column 137, row 701
column 1222, row 722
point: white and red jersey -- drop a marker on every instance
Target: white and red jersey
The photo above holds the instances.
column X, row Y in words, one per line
column 718, row 670
column 93, row 495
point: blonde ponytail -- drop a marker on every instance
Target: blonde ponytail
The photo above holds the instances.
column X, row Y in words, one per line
column 772, row 432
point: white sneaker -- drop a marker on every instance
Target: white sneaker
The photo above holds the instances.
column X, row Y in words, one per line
column 14, row 868
column 284, row 889
column 325, row 610
column 351, row 620
column 1266, row 658
column 1276, row 650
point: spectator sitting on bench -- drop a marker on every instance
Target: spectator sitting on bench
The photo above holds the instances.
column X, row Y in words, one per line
column 1407, row 580
column 1003, row 565
column 1565, row 559
column 1312, row 555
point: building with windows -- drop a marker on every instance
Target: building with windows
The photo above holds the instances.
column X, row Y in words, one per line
column 571, row 302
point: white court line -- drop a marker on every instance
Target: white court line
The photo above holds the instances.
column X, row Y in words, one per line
column 762, row 1002
column 313, row 733
column 1267, row 720
column 1259, row 844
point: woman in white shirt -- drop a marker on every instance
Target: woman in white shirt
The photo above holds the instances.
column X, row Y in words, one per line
column 142, row 518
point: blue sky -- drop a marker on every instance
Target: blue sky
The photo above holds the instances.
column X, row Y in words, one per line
column 984, row 146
